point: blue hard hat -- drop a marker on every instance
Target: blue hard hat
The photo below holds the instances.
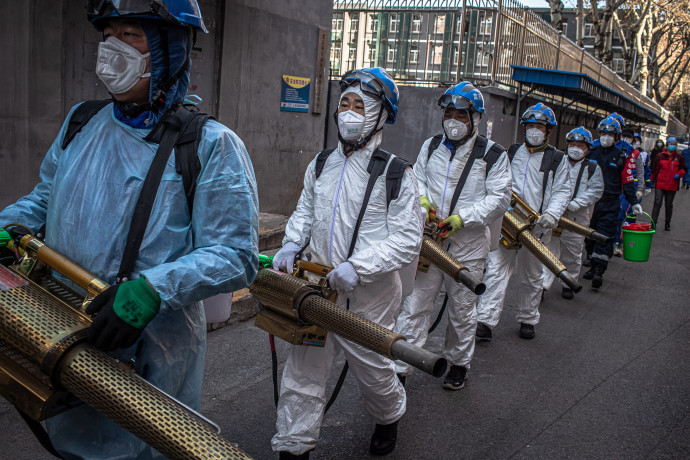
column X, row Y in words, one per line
column 620, row 119
column 609, row 124
column 377, row 83
column 580, row 134
column 539, row 113
column 465, row 96
column 671, row 139
column 177, row 12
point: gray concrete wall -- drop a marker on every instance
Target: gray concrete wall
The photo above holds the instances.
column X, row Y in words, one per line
column 48, row 61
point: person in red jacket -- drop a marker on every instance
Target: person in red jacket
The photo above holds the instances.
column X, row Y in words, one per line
column 667, row 170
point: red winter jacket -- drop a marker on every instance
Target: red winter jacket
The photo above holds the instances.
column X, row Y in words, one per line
column 664, row 169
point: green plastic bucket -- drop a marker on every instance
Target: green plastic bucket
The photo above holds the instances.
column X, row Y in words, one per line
column 637, row 244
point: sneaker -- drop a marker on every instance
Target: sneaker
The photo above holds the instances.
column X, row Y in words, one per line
column 483, row 332
column 384, row 439
column 456, row 378
column 567, row 293
column 617, row 250
column 589, row 274
column 587, row 262
column 597, row 279
column 667, row 227
column 526, row 331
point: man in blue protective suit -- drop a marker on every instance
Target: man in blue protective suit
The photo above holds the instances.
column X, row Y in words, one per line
column 618, row 177
column 86, row 199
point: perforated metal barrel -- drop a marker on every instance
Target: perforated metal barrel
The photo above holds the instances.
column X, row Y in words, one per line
column 96, row 379
column 449, row 265
column 286, row 294
column 547, row 258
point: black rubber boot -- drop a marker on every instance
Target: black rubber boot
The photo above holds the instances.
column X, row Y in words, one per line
column 597, row 279
column 589, row 274
column 288, row 456
column 567, row 293
column 667, row 227
column 526, row 331
column 384, row 438
column 483, row 332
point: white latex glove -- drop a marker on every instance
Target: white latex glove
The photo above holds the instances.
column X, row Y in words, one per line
column 573, row 207
column 639, row 194
column 343, row 278
column 285, row 258
column 637, row 209
column 547, row 221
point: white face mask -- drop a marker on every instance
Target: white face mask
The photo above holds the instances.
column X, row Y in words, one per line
column 606, row 140
column 576, row 153
column 627, row 139
column 637, row 144
column 350, row 125
column 455, row 130
column 120, row 66
column 659, row 144
column 534, row 136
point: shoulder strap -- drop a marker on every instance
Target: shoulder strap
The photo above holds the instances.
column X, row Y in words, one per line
column 591, row 169
column 377, row 164
column 187, row 162
column 80, row 117
column 321, row 161
column 394, row 176
column 167, row 131
column 492, row 156
column 549, row 163
column 433, row 145
column 579, row 178
column 512, row 150
column 477, row 152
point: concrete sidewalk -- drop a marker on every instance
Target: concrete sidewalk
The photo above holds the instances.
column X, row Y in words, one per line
column 608, row 376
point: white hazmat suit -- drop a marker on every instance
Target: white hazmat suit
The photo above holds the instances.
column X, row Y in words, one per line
column 389, row 238
column 484, row 198
column 527, row 182
column 568, row 247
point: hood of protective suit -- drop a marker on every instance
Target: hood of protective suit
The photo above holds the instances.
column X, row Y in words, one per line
column 372, row 107
column 179, row 46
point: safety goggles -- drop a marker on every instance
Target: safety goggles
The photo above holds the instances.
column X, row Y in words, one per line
column 535, row 116
column 368, row 83
column 455, row 101
column 103, row 8
column 577, row 137
column 608, row 128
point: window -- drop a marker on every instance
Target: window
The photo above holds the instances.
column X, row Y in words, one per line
column 373, row 22
column 618, row 65
column 395, row 23
column 372, row 53
column 416, row 23
column 436, row 54
column 392, row 53
column 440, row 24
column 485, row 26
column 336, row 54
column 458, row 26
column 564, row 28
column 354, row 24
column 482, row 59
column 352, row 54
column 455, row 55
column 589, row 31
column 414, row 54
column 338, row 24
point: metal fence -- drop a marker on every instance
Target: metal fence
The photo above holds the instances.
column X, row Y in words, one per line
column 437, row 42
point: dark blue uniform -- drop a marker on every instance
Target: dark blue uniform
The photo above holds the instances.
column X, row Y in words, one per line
column 605, row 215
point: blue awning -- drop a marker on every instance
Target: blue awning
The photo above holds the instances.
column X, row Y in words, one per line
column 584, row 89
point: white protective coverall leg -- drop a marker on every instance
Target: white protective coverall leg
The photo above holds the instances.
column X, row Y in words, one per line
column 389, row 239
column 500, row 264
column 569, row 246
column 484, row 198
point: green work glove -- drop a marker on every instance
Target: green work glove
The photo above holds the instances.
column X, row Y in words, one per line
column 123, row 311
column 426, row 204
column 450, row 226
column 4, row 238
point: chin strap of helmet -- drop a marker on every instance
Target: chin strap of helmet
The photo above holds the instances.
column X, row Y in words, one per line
column 353, row 146
column 132, row 109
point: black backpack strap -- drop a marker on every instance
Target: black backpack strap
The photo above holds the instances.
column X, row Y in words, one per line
column 591, row 168
column 394, row 176
column 492, row 156
column 433, row 145
column 579, row 179
column 80, row 117
column 321, row 161
column 512, row 150
column 187, row 163
column 377, row 164
column 168, row 131
column 549, row 164
column 477, row 153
